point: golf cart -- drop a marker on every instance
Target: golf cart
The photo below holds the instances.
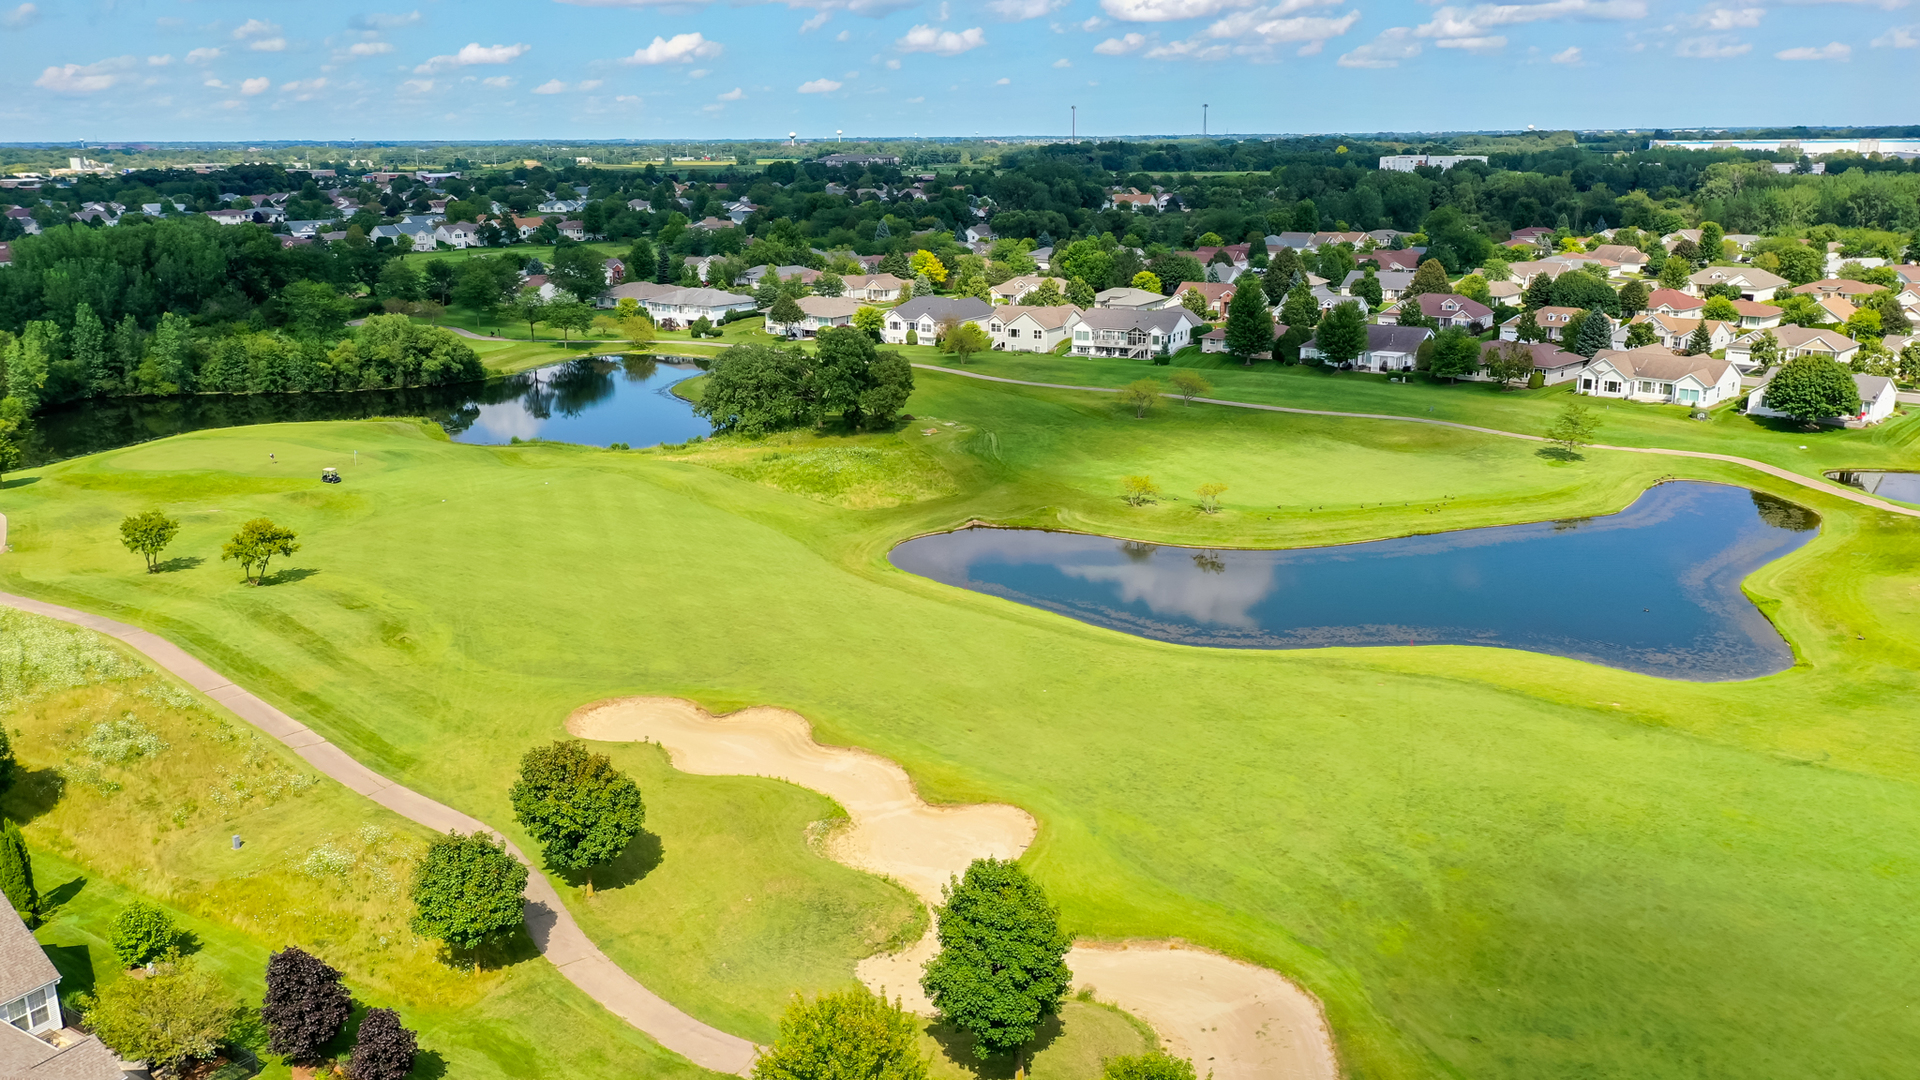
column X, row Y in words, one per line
column 329, row 475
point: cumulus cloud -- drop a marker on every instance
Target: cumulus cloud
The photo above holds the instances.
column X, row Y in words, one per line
column 924, row 38
column 1568, row 55
column 1899, row 37
column 1121, row 46
column 1489, row 44
column 1833, row 50
column 1063, row 62
column 272, row 44
column 1712, row 47
column 1385, row 51
column 551, row 86
column 203, row 55
column 304, row 89
column 254, row 86
column 678, row 49
column 1262, row 27
column 1021, row 10
column 473, row 53
column 160, row 61
column 369, row 48
column 735, row 94
column 1002, row 81
column 819, row 86
column 417, row 86
column 844, row 35
column 84, row 78
column 1722, row 18
column 254, row 28
column 1165, row 10
column 498, row 82
column 1471, row 27
column 816, row 22
column 380, row 21
column 21, row 17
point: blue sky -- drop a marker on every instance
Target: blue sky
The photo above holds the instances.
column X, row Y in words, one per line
column 556, row 69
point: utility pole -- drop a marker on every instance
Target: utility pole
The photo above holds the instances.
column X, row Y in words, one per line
column 1073, row 134
column 1203, row 120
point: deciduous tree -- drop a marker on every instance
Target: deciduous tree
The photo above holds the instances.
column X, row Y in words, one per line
column 1573, row 427
column 147, row 534
column 1641, row 333
column 257, row 542
column 870, row 321
column 143, row 932
column 1810, row 388
column 468, row 891
column 1456, row 354
column 1140, row 395
column 844, row 1035
column 1508, row 362
column 1153, row 1065
column 576, row 805
column 306, row 1005
column 1249, row 324
column 528, row 307
column 1342, row 334
column 1147, row 280
column 382, row 1048
column 1190, row 384
column 1301, row 310
column 1001, row 968
column 963, row 339
column 1430, row 277
column 180, row 1011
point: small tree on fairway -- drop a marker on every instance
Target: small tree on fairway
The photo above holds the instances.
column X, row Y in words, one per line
column 1154, row 1065
column 1249, row 324
column 1138, row 490
column 1001, row 967
column 1140, row 395
column 1342, row 334
column 1810, row 388
column 16, row 873
column 527, row 306
column 143, row 932
column 847, row 1035
column 1189, row 384
column 1573, row 427
column 581, row 810
column 382, row 1049
column 467, row 891
column 964, row 339
column 148, row 534
column 1700, row 342
column 569, row 315
column 176, row 1013
column 1210, row 497
column 306, row 1005
column 257, row 542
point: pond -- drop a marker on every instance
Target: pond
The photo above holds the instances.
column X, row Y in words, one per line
column 597, row 401
column 1654, row 588
column 1900, row 486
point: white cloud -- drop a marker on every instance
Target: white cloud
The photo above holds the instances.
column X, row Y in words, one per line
column 1712, row 47
column 1121, row 46
column 916, row 100
column 21, row 17
column 678, row 49
column 369, row 48
column 893, row 65
column 304, row 90
column 160, row 61
column 84, row 78
column 1899, row 37
column 473, row 53
column 273, row 44
column 1466, row 24
column 1003, row 81
column 924, row 38
column 254, row 28
column 417, row 86
column 1722, row 18
column 1020, row 10
column 1833, row 50
column 1488, row 44
column 1091, row 23
column 1256, row 30
column 1568, row 55
column 627, row 99
column 215, row 83
column 203, row 55
column 585, row 85
column 1165, row 10
column 378, row 21
column 498, row 82
column 551, row 86
column 844, row 35
column 816, row 22
column 735, row 94
column 1385, row 51
column 1063, row 62
column 254, row 86
column 1194, row 49
column 819, row 86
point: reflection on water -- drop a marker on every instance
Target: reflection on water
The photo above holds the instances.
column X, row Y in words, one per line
column 1904, row 486
column 597, row 401
column 1654, row 588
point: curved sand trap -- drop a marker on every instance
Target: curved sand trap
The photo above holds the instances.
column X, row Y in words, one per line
column 1237, row 1020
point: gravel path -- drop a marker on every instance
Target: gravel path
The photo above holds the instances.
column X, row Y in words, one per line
column 554, row 932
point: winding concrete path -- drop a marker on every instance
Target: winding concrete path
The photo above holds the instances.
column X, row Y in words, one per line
column 554, row 932
column 1823, row 486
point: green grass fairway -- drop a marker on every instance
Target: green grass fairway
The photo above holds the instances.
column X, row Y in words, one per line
column 1487, row 863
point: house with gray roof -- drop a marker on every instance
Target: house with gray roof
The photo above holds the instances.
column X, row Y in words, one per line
column 1133, row 333
column 1389, row 348
column 678, row 307
column 1392, row 282
column 924, row 316
column 1656, row 374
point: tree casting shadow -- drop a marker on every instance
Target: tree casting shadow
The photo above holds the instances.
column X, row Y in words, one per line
column 289, row 575
column 958, row 1046
column 178, row 562
column 638, row 860
column 34, row 793
column 1560, row 454
column 21, row 481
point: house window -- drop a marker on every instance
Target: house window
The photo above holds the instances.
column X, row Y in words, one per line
column 1689, row 397
column 1586, row 384
column 1013, row 332
column 1612, row 387
column 1646, row 386
column 1666, row 389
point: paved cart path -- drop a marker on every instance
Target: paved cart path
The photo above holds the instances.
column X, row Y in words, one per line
column 554, row 932
column 1835, row 490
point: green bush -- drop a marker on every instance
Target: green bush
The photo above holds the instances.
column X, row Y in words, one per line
column 143, row 932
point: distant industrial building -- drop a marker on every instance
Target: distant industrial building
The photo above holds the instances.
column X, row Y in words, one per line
column 1906, row 148
column 1410, row 162
column 860, row 159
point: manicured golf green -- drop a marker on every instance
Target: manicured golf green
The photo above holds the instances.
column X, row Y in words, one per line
column 1485, row 862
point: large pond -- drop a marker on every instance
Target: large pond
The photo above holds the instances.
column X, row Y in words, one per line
column 598, row 401
column 1654, row 588
column 1903, row 486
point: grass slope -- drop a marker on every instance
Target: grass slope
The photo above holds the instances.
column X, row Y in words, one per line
column 1486, row 862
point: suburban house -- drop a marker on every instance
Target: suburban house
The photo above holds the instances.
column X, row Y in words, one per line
column 1504, row 292
column 546, row 289
column 1298, row 241
column 819, row 313
column 1134, row 333
column 1552, row 320
column 1532, row 234
column 525, row 226
column 1628, row 260
column 1673, row 331
column 806, row 274
column 1555, row 364
column 881, row 288
column 925, row 316
column 1029, row 329
column 1656, row 374
column 1235, row 255
column 1524, row 272
column 1124, row 297
column 1836, row 287
column 1838, row 308
column 1877, row 398
column 1389, row 348
column 616, row 271
column 572, row 230
column 1392, row 282
column 1328, row 299
column 458, row 235
column 1042, row 257
column 1134, row 198
column 638, row 291
column 677, row 307
column 1675, row 302
column 1451, row 309
column 35, row 1042
column 1797, row 341
column 1216, row 294
column 1756, row 316
column 1012, row 290
column 1407, row 259
column 1753, row 284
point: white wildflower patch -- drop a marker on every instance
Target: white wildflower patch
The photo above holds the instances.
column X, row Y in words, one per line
column 118, row 742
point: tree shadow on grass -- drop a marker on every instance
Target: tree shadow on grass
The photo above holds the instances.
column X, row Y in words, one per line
column 958, row 1045
column 34, row 793
column 289, row 575
column 19, row 481
column 177, row 563
column 640, row 858
column 52, row 900
column 1559, row 454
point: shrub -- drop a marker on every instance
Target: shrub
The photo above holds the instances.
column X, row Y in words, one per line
column 178, row 1012
column 383, row 1050
column 143, row 932
column 16, row 873
column 306, row 1005
column 1138, row 490
column 851, row 1033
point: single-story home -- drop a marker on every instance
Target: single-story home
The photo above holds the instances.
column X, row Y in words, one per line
column 1836, row 287
column 1755, row 315
column 1555, row 364
column 1656, row 374
column 1406, row 259
column 1014, row 289
column 806, row 274
column 1877, row 399
column 638, row 291
column 1134, row 333
column 1029, row 329
column 1675, row 302
column 925, row 315
column 1451, row 309
column 1328, row 299
column 1392, row 282
column 1796, row 341
column 874, row 288
column 1524, row 272
column 547, row 290
column 1389, row 348
column 1504, row 292
column 678, row 307
column 1125, row 297
column 1754, row 284
column 1215, row 340
column 1673, row 331
column 1553, row 320
column 1629, row 260
column 1216, row 294
column 819, row 312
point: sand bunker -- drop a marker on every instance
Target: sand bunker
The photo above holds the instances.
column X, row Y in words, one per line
column 1239, row 1021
